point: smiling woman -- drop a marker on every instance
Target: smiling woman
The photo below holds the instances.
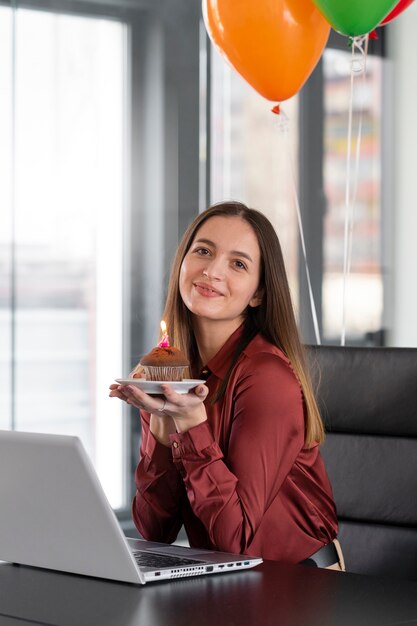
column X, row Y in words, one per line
column 236, row 460
column 220, row 276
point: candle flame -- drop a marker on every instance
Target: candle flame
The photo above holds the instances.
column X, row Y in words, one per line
column 164, row 343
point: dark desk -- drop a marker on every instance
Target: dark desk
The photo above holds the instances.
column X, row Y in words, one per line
column 272, row 594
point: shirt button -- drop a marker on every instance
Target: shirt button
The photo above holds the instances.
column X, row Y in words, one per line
column 175, row 444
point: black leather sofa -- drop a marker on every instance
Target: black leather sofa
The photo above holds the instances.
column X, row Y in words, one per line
column 368, row 398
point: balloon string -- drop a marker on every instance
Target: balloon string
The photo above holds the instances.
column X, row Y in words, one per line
column 357, row 154
column 283, row 125
column 358, row 66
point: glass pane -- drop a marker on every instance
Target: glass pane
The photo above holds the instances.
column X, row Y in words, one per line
column 252, row 158
column 6, row 104
column 364, row 287
column 67, row 206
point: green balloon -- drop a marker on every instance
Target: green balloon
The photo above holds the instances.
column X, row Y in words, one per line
column 355, row 17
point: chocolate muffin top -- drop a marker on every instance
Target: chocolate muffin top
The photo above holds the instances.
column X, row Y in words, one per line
column 164, row 357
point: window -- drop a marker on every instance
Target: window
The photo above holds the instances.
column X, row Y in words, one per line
column 253, row 159
column 61, row 237
column 363, row 298
column 100, row 175
column 250, row 161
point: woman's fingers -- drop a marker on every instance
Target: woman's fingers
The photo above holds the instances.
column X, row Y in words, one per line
column 137, row 372
column 122, row 392
column 141, row 400
column 202, row 391
column 171, row 403
column 183, row 402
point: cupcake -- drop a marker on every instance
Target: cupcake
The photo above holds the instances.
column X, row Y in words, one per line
column 163, row 363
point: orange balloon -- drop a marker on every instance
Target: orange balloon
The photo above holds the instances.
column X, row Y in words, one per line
column 273, row 44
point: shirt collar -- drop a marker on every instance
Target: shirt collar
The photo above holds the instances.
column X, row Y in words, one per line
column 220, row 363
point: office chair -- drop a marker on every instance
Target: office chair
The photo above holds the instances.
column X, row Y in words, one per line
column 368, row 399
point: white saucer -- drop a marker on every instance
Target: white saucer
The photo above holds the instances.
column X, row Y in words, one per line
column 154, row 386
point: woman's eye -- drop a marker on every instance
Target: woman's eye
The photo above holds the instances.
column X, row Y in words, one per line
column 239, row 265
column 202, row 251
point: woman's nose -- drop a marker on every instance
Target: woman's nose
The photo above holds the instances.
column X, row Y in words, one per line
column 214, row 269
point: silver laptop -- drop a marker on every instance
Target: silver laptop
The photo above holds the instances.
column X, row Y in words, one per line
column 55, row 515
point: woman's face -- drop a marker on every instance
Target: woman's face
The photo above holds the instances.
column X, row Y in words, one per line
column 220, row 273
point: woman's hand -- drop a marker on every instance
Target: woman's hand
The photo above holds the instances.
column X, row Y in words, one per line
column 186, row 410
column 172, row 413
column 135, row 397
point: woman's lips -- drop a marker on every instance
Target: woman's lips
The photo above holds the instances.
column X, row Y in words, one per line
column 206, row 290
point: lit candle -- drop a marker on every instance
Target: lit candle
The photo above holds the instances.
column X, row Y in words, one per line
column 164, row 343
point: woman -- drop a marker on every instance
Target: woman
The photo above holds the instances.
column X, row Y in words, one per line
column 236, row 460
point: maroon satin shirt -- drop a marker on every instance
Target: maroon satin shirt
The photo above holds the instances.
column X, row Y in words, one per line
column 243, row 481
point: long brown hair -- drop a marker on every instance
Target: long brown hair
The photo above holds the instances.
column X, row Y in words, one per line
column 274, row 317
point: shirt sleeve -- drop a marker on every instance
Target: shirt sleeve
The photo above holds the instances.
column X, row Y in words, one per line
column 156, row 505
column 231, row 496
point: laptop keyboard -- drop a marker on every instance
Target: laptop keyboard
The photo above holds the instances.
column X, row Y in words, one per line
column 158, row 561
